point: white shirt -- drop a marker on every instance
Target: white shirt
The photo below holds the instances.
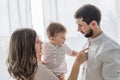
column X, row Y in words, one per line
column 43, row 73
column 103, row 60
column 54, row 57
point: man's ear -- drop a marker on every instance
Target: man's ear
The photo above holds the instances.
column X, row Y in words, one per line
column 93, row 23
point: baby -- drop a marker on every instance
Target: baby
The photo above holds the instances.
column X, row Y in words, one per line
column 54, row 51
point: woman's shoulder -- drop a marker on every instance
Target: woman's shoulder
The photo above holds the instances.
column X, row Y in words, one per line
column 43, row 73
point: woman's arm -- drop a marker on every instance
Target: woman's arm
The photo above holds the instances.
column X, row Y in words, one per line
column 81, row 57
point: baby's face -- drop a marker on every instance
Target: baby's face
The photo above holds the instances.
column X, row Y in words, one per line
column 59, row 38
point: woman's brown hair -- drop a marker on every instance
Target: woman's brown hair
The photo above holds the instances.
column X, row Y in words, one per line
column 22, row 61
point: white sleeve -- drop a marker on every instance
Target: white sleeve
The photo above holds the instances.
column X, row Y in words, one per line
column 111, row 65
column 43, row 73
column 67, row 50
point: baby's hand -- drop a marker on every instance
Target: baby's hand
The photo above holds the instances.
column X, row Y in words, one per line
column 62, row 76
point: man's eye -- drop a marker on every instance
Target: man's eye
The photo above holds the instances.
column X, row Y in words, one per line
column 80, row 26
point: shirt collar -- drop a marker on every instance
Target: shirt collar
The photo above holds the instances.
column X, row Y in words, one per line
column 54, row 46
column 97, row 39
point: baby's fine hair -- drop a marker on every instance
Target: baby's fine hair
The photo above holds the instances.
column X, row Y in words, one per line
column 54, row 28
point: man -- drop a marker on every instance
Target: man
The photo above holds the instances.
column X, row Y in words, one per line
column 104, row 53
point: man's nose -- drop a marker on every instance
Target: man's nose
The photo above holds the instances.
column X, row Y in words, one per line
column 79, row 29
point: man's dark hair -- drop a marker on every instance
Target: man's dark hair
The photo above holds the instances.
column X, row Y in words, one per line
column 89, row 13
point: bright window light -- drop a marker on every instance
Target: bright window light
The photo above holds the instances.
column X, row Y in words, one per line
column 37, row 18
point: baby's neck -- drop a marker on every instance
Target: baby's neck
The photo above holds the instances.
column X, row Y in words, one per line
column 54, row 44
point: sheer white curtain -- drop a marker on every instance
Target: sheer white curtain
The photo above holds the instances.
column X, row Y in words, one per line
column 38, row 18
column 13, row 14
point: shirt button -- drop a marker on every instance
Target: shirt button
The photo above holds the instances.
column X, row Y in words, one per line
column 118, row 72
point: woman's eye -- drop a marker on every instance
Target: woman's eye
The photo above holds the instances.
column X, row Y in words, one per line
column 37, row 41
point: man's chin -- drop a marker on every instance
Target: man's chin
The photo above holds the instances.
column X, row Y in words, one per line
column 88, row 36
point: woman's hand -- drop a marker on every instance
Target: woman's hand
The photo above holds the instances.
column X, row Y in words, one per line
column 82, row 56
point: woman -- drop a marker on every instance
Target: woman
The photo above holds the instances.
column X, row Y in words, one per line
column 22, row 59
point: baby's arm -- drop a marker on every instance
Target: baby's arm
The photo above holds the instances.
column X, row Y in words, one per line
column 74, row 53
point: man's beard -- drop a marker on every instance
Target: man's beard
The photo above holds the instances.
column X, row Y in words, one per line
column 89, row 34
